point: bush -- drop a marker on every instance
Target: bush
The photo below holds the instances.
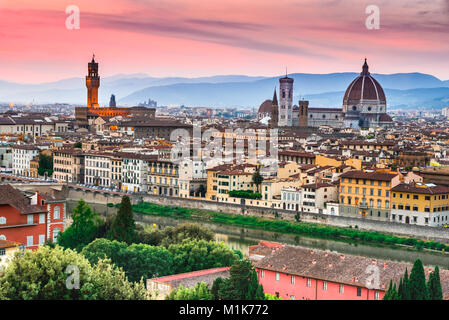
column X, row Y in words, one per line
column 246, row 194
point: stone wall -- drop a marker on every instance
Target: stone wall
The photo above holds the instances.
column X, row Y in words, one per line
column 422, row 232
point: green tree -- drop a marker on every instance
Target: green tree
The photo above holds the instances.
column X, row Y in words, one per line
column 434, row 285
column 137, row 260
column 404, row 287
column 417, row 282
column 392, row 293
column 178, row 234
column 43, row 275
column 257, row 178
column 241, row 285
column 78, row 145
column 192, row 255
column 199, row 292
column 123, row 227
column 83, row 229
column 45, row 165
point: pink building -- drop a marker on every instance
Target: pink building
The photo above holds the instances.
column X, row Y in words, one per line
column 299, row 273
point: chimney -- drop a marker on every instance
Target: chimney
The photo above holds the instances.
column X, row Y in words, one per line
column 385, row 266
column 330, row 265
column 313, row 261
column 373, row 262
column 326, row 254
column 342, row 256
column 284, row 267
column 312, row 252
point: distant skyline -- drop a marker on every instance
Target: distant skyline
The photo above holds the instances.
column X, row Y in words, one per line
column 191, row 38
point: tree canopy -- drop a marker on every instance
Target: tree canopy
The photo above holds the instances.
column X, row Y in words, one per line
column 139, row 261
column 83, row 229
column 123, row 228
column 241, row 285
column 44, row 274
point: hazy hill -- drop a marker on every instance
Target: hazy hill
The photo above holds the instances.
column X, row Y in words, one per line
column 323, row 90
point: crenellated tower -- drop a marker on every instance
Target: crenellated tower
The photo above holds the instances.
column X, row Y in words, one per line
column 92, row 84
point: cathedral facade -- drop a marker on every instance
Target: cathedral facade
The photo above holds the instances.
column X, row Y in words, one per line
column 364, row 106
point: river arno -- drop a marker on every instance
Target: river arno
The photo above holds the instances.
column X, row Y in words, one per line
column 241, row 238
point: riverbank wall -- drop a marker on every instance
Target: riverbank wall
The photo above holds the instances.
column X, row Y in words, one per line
column 399, row 229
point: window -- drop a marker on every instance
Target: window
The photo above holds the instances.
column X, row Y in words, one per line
column 29, row 241
column 376, row 295
column 2, row 252
column 359, row 292
column 30, row 219
column 324, row 285
column 342, row 289
column 55, row 234
column 41, row 239
column 262, row 273
column 277, row 276
column 41, row 218
column 308, row 283
column 56, row 212
column 2, row 237
column 2, row 220
column 292, row 280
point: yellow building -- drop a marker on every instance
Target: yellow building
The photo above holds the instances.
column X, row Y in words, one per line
column 7, row 251
column 420, row 204
column 367, row 194
column 225, row 178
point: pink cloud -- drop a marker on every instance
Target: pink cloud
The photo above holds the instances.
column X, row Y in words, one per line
column 193, row 38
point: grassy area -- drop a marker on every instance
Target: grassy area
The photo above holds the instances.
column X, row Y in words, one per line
column 299, row 228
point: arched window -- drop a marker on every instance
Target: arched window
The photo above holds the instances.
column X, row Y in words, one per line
column 2, row 237
column 2, row 220
column 354, row 108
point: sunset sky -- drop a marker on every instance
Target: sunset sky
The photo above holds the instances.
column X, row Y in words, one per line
column 199, row 38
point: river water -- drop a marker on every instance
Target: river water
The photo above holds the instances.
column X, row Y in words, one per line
column 241, row 238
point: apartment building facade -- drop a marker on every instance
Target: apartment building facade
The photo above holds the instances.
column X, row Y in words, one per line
column 420, row 204
column 366, row 194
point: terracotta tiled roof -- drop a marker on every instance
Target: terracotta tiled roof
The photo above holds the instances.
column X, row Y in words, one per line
column 425, row 189
column 356, row 174
column 15, row 198
column 336, row 267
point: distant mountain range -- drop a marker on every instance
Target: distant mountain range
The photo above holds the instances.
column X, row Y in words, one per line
column 405, row 90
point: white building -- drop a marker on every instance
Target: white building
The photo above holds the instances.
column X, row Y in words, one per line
column 98, row 169
column 21, row 157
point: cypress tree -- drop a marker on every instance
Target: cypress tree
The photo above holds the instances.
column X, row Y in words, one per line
column 434, row 285
column 387, row 295
column 406, row 287
column 417, row 282
column 392, row 293
column 401, row 289
column 123, row 226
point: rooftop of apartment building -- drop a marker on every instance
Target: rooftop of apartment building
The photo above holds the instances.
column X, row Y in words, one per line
column 428, row 188
column 332, row 266
column 368, row 175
